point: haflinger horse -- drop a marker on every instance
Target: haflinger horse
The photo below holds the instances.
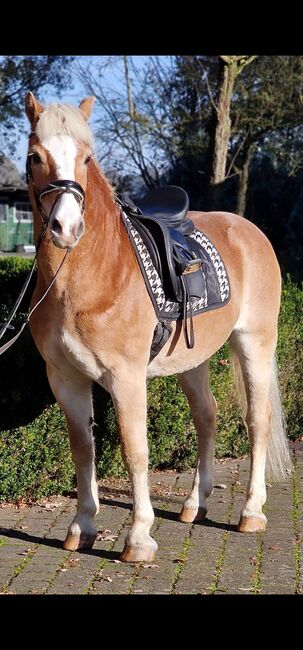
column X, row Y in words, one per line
column 97, row 324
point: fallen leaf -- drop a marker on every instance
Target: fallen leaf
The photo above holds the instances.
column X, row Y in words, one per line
column 72, row 562
column 51, row 505
column 106, row 535
column 224, row 362
column 30, row 551
column 275, row 547
column 107, row 538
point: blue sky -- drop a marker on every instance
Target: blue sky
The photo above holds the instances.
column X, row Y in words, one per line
column 73, row 96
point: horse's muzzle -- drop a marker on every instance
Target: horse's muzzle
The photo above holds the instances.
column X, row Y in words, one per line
column 66, row 239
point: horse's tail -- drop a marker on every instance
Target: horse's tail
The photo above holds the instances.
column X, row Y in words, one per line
column 278, row 462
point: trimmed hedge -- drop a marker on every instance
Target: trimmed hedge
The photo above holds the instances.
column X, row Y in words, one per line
column 35, row 459
column 24, row 389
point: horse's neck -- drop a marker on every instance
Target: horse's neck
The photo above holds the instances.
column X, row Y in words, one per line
column 101, row 256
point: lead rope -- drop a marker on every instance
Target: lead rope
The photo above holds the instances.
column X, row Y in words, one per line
column 11, row 342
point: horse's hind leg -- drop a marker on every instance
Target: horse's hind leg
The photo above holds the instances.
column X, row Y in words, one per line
column 74, row 397
column 255, row 351
column 195, row 385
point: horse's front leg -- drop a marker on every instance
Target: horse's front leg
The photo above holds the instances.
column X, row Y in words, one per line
column 74, row 397
column 129, row 397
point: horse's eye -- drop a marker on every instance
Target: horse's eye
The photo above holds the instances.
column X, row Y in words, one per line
column 86, row 161
column 36, row 158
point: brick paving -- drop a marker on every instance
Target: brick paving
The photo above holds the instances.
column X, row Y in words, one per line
column 205, row 558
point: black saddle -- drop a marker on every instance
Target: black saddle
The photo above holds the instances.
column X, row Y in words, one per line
column 168, row 204
column 162, row 222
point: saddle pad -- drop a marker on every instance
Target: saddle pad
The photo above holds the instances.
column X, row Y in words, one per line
column 217, row 286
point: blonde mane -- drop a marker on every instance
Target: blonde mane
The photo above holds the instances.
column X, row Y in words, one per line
column 57, row 119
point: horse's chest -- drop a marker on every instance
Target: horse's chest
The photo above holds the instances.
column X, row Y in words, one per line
column 71, row 351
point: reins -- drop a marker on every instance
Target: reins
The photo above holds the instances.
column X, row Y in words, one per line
column 61, row 186
column 7, row 325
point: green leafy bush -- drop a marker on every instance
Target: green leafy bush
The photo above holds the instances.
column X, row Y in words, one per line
column 13, row 271
column 24, row 389
column 290, row 356
column 35, row 460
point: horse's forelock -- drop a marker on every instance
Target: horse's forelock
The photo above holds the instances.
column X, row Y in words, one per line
column 58, row 119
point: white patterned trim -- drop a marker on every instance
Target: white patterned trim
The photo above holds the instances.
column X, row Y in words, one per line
column 151, row 273
column 217, row 262
column 168, row 307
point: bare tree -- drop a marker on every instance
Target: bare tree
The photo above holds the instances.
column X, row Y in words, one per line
column 229, row 69
column 267, row 115
column 131, row 125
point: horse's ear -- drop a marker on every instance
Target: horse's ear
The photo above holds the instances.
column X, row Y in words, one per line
column 86, row 106
column 33, row 109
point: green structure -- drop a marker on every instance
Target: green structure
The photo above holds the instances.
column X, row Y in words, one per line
column 16, row 218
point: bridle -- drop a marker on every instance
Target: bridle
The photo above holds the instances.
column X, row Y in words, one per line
column 61, row 186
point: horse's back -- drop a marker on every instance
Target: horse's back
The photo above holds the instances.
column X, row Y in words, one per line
column 246, row 251
column 229, row 229
column 252, row 266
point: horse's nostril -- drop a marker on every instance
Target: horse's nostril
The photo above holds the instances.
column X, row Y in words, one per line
column 56, row 227
column 80, row 229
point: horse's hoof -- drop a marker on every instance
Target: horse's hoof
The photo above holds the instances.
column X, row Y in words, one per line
column 251, row 524
column 74, row 542
column 138, row 553
column 188, row 515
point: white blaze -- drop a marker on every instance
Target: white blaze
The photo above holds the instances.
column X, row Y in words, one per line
column 63, row 151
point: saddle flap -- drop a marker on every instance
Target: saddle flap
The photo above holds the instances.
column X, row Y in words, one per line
column 163, row 224
column 177, row 255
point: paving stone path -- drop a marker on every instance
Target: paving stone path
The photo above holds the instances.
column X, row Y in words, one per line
column 207, row 558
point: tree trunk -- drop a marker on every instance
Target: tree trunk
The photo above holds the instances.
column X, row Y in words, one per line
column 229, row 68
column 227, row 76
column 243, row 179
